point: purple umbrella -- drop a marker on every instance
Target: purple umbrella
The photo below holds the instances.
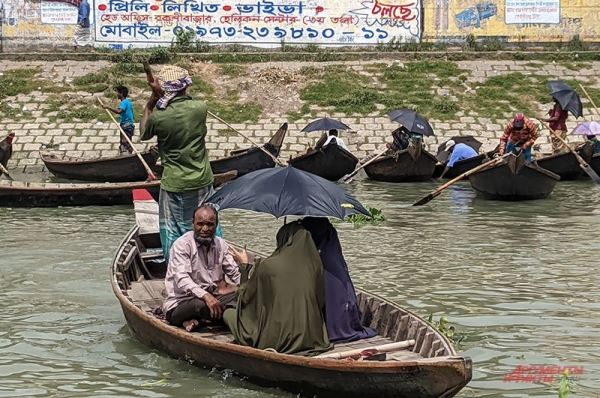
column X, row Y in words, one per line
column 587, row 128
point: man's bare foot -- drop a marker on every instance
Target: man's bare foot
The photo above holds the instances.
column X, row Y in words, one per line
column 191, row 325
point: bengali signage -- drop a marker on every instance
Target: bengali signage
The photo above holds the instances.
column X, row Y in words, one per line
column 267, row 23
column 54, row 12
column 532, row 11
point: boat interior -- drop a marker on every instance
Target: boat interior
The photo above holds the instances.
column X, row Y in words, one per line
column 140, row 274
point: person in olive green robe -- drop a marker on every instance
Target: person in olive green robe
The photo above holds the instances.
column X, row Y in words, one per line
column 281, row 298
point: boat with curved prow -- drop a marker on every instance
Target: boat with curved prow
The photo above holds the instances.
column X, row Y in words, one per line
column 331, row 162
column 565, row 164
column 40, row 194
column 513, row 179
column 123, row 168
column 429, row 368
column 408, row 165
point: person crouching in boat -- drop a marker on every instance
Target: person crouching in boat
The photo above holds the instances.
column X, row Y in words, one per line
column 197, row 291
column 459, row 152
column 281, row 298
column 342, row 316
column 593, row 139
column 402, row 138
column 519, row 135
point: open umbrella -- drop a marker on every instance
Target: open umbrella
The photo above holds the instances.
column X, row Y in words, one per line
column 414, row 122
column 587, row 128
column 325, row 124
column 567, row 97
column 287, row 191
column 443, row 154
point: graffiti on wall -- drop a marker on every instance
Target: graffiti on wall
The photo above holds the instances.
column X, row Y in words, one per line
column 524, row 20
column 258, row 22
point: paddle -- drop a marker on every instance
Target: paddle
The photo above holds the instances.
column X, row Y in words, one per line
column 5, row 172
column 348, row 177
column 429, row 197
column 150, row 79
column 151, row 175
column 582, row 163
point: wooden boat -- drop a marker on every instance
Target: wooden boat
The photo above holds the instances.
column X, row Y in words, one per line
column 121, row 168
column 331, row 162
column 595, row 163
column 565, row 164
column 32, row 194
column 412, row 164
column 460, row 167
column 429, row 368
column 513, row 179
column 6, row 149
column 248, row 160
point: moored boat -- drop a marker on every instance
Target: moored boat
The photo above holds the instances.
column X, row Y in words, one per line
column 513, row 179
column 331, row 162
column 565, row 164
column 460, row 167
column 429, row 367
column 595, row 163
column 39, row 194
column 121, row 168
column 412, row 164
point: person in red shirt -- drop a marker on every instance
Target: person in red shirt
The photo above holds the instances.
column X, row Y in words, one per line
column 519, row 133
column 557, row 120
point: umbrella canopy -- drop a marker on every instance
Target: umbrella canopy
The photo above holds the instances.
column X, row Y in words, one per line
column 442, row 154
column 325, row 124
column 587, row 128
column 567, row 97
column 414, row 122
column 287, row 191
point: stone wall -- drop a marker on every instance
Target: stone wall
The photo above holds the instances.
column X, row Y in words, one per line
column 370, row 132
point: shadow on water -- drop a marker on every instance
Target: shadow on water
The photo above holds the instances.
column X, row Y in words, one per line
column 516, row 278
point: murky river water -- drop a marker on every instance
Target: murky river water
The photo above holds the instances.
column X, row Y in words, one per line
column 518, row 280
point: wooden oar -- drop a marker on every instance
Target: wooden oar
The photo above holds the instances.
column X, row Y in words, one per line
column 582, row 163
column 151, row 174
column 368, row 351
column 348, row 177
column 5, row 172
column 429, row 197
column 150, row 79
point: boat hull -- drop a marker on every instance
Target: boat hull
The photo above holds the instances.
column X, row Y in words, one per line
column 118, row 169
column 566, row 164
column 403, row 167
column 513, row 180
column 331, row 162
column 595, row 163
column 463, row 166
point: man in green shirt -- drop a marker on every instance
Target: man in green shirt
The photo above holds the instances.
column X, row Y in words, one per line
column 179, row 123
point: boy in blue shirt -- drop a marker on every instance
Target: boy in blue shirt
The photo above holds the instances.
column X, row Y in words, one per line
column 126, row 111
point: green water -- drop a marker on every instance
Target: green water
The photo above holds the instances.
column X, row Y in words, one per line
column 517, row 280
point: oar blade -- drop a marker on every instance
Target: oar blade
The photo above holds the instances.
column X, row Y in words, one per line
column 589, row 171
column 424, row 200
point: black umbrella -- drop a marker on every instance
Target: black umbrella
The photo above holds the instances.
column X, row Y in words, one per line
column 325, row 124
column 567, row 97
column 287, row 191
column 414, row 122
column 442, row 153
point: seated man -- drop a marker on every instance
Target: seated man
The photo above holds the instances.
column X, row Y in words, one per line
column 402, row 138
column 281, row 298
column 342, row 316
column 333, row 136
column 519, row 135
column 195, row 282
column 458, row 152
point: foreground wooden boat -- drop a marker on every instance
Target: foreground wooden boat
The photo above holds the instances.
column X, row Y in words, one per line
column 412, row 164
column 460, row 167
column 565, row 164
column 331, row 162
column 32, row 194
column 514, row 180
column 430, row 368
column 121, row 168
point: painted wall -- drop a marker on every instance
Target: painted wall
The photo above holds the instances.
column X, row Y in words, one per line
column 515, row 20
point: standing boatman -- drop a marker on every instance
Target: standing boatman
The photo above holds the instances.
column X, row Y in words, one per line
column 519, row 134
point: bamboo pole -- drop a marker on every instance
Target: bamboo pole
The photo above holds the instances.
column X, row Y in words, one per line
column 380, row 349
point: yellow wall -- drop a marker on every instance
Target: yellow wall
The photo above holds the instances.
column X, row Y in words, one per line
column 458, row 18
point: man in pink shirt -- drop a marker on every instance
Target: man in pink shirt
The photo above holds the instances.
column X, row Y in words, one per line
column 199, row 261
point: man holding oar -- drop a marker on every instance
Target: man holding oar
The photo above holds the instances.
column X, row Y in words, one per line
column 519, row 133
column 179, row 123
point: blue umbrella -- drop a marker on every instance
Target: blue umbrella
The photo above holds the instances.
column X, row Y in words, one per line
column 287, row 191
column 325, row 124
